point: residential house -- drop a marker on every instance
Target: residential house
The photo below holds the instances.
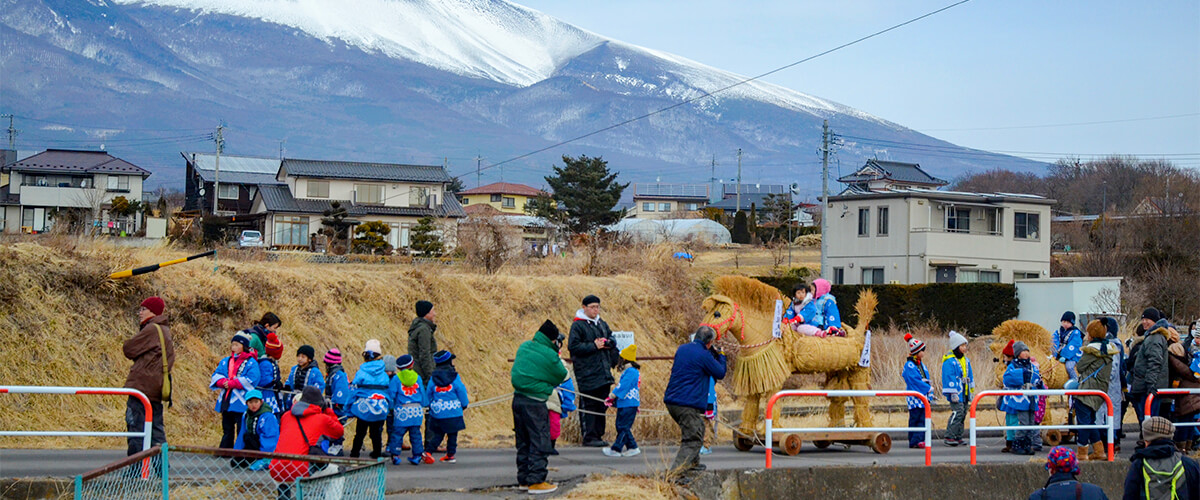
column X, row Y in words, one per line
column 505, row 197
column 533, row 230
column 881, row 175
column 395, row 194
column 238, row 181
column 46, row 185
column 667, row 201
column 913, row 236
column 1162, row 205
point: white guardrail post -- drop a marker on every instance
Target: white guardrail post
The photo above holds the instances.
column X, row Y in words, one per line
column 927, row 429
column 1044, row 392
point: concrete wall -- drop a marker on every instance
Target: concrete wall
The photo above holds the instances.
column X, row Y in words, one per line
column 940, row 482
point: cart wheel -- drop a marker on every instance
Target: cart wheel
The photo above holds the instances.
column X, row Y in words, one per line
column 1052, row 437
column 881, row 444
column 743, row 443
column 791, row 444
column 821, row 445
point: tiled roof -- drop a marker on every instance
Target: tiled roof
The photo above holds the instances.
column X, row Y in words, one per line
column 278, row 198
column 75, row 161
column 893, row 170
column 326, row 169
column 504, row 188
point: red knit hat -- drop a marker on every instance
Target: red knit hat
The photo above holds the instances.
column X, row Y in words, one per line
column 1008, row 349
column 155, row 305
column 914, row 345
column 273, row 346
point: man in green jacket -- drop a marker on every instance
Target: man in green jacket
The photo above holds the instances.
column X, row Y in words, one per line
column 536, row 371
column 421, row 342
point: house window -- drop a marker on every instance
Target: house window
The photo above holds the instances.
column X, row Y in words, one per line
column 509, row 202
column 418, row 197
column 989, row 276
column 496, row 198
column 1026, row 226
column 958, row 219
column 664, row 207
column 318, row 189
column 648, row 207
column 1021, row 275
column 839, row 276
column 369, row 194
column 883, row 221
column 992, row 218
column 228, row 191
column 466, row 201
column 118, row 183
column 692, row 207
column 864, row 222
column 872, row 276
column 291, row 230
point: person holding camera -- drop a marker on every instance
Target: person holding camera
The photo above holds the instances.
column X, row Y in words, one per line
column 686, row 396
column 594, row 354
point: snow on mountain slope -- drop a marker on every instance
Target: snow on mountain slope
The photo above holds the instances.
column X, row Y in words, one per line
column 489, row 39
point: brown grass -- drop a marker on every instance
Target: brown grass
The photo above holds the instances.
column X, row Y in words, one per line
column 623, row 487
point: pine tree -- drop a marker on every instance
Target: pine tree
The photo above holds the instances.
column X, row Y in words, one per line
column 455, row 185
column 588, row 191
column 424, row 238
column 752, row 223
column 372, row 237
column 740, row 233
column 336, row 228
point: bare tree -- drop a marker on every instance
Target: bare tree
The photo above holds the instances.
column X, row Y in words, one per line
column 92, row 199
column 488, row 241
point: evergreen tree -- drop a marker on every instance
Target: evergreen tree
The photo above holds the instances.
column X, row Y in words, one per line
column 455, row 185
column 588, row 191
column 424, row 238
column 372, row 237
column 740, row 233
column 752, row 223
column 336, row 228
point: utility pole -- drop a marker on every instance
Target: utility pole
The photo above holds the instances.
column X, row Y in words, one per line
column 478, row 161
column 825, row 200
column 12, row 133
column 739, row 184
column 217, row 168
column 281, row 141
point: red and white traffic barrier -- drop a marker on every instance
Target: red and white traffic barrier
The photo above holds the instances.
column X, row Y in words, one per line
column 1170, row 392
column 1107, row 426
column 928, row 429
column 104, row 391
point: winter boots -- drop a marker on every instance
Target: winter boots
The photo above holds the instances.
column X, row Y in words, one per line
column 1083, row 453
column 1007, row 446
column 1098, row 451
column 1022, row 446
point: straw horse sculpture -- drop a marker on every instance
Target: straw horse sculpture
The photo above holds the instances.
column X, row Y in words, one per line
column 742, row 311
column 1054, row 374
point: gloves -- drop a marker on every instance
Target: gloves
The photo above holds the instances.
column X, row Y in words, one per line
column 260, row 464
column 1062, row 360
column 610, row 401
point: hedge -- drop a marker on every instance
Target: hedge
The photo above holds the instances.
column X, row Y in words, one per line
column 970, row 308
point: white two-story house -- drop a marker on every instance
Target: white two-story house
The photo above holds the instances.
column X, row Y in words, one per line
column 395, row 194
column 914, row 236
column 44, row 187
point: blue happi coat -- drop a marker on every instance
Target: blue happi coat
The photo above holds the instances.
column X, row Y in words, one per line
column 247, row 374
column 628, row 389
column 566, row 397
column 408, row 402
column 825, row 313
column 369, row 402
column 268, row 378
column 953, row 378
column 267, row 428
column 1068, row 343
column 447, row 401
column 916, row 378
column 1015, row 377
column 337, row 389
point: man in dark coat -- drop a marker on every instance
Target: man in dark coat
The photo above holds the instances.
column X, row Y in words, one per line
column 594, row 354
column 421, row 342
column 1160, row 454
column 1150, row 370
column 686, row 395
column 146, row 350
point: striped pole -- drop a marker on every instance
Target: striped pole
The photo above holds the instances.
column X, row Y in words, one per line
column 154, row 267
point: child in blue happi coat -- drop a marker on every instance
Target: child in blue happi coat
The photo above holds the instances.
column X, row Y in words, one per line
column 369, row 403
column 710, row 414
column 916, row 378
column 260, row 431
column 447, row 398
column 802, row 309
column 1021, row 374
column 1068, row 343
column 234, row 376
column 627, row 397
column 305, row 373
column 337, row 384
column 409, row 400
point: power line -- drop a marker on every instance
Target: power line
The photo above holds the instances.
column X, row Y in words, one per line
column 1053, row 125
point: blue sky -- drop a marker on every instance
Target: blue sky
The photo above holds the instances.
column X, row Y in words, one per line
column 983, row 64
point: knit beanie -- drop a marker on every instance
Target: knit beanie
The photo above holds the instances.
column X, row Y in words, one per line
column 1008, row 349
column 242, row 338
column 1018, row 348
column 1151, row 314
column 373, row 346
column 404, row 362
column 333, row 356
column 1069, row 317
column 550, row 330
column 1111, row 324
column 914, row 345
column 313, row 396
column 389, row 364
column 274, row 346
column 1062, row 459
column 442, row 356
column 1155, row 428
column 956, row 339
column 307, row 350
column 1096, row 329
column 155, row 305
column 590, row 299
column 423, row 308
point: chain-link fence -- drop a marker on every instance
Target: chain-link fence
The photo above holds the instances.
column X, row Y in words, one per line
column 188, row 472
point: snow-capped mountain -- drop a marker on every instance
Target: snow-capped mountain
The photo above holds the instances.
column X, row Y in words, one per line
column 407, row 81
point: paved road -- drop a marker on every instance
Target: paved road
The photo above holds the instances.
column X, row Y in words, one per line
column 484, row 469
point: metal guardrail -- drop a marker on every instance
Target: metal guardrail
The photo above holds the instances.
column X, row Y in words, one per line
column 103, row 391
column 1107, row 426
column 928, row 429
column 1169, row 392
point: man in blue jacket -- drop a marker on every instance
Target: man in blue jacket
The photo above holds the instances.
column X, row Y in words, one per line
column 687, row 394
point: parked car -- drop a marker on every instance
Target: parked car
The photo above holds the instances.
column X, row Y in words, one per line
column 250, row 239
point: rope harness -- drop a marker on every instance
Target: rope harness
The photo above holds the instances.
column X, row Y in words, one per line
column 736, row 316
